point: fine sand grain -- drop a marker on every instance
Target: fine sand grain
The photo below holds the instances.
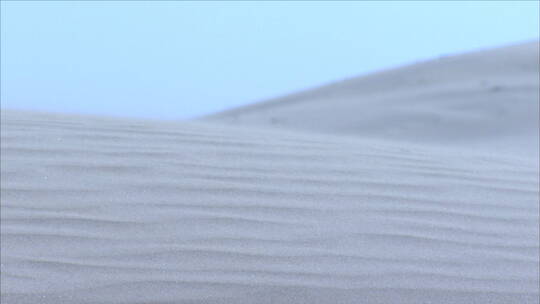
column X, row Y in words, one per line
column 417, row 185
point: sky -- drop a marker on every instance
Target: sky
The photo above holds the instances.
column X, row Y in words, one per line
column 180, row 60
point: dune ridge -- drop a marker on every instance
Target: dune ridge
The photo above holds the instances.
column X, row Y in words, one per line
column 482, row 100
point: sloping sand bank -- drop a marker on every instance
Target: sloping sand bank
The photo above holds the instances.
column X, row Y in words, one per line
column 481, row 100
column 119, row 211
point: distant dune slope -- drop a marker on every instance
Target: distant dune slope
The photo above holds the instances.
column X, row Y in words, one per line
column 122, row 211
column 486, row 99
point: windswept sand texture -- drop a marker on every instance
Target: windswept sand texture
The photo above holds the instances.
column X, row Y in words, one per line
column 360, row 197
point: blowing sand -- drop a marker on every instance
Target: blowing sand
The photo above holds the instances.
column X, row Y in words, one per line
column 415, row 185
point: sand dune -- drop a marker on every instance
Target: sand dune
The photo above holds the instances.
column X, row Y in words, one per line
column 483, row 100
column 107, row 211
column 358, row 209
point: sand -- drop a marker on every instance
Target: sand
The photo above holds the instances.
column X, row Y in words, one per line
column 414, row 185
column 481, row 100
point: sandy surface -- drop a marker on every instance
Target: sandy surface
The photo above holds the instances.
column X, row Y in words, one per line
column 481, row 100
column 416, row 185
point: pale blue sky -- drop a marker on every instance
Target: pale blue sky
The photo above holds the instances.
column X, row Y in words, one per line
column 183, row 59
